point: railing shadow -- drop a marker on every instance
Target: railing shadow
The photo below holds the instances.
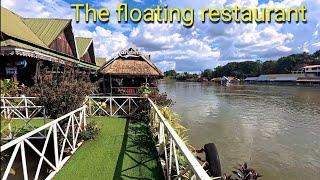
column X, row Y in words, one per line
column 138, row 158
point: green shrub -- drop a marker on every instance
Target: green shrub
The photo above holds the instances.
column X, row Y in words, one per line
column 5, row 132
column 91, row 131
column 62, row 95
column 145, row 90
column 161, row 99
column 8, row 87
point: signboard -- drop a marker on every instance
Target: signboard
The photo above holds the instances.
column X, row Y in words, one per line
column 11, row 71
column 131, row 52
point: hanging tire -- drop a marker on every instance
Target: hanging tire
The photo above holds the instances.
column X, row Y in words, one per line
column 213, row 160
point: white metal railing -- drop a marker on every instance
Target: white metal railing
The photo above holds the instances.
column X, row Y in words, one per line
column 179, row 162
column 68, row 134
column 174, row 149
column 20, row 108
column 111, row 105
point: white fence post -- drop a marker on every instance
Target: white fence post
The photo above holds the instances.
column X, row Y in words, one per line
column 168, row 136
column 24, row 99
column 53, row 127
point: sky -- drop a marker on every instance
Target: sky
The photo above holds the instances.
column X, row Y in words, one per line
column 173, row 46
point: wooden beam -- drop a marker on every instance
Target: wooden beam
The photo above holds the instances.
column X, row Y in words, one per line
column 110, row 79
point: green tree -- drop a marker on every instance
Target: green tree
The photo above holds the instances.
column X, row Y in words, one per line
column 171, row 73
column 207, row 73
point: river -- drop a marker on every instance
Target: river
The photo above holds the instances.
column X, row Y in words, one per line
column 275, row 129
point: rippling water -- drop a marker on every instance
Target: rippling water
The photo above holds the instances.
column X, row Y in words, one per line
column 276, row 129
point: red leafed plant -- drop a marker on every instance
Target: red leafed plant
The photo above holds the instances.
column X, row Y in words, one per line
column 243, row 173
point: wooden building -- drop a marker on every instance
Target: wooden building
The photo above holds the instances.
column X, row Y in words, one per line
column 86, row 50
column 29, row 45
column 127, row 72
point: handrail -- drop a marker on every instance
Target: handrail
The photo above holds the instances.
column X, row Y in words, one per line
column 75, row 123
column 22, row 109
column 18, row 97
column 111, row 105
column 197, row 169
column 169, row 140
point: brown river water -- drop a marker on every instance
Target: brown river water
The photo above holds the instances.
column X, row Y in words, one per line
column 275, row 129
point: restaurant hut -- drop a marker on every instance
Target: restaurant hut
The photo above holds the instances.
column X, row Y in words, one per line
column 128, row 72
column 29, row 45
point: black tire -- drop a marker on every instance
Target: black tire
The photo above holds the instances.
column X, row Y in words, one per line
column 213, row 160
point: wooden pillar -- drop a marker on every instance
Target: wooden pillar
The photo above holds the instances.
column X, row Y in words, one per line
column 104, row 84
column 37, row 74
column 64, row 73
column 110, row 79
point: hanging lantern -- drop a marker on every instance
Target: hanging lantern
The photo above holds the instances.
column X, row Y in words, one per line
column 21, row 63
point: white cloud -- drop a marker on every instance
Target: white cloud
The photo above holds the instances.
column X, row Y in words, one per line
column 190, row 49
column 106, row 42
column 138, row 1
column 166, row 65
column 283, row 48
column 316, row 44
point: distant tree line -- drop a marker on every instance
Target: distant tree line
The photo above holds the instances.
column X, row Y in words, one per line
column 245, row 69
column 172, row 74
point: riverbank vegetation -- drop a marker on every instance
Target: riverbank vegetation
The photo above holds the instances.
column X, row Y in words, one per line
column 244, row 69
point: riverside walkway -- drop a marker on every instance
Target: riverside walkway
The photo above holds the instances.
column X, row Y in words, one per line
column 122, row 150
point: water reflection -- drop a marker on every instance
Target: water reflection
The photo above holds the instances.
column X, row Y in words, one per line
column 274, row 128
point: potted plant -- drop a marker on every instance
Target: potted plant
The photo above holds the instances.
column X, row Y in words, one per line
column 145, row 90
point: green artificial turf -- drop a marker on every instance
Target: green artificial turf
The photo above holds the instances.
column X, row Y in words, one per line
column 18, row 123
column 20, row 127
column 122, row 150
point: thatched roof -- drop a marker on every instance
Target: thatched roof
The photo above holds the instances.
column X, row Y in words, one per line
column 131, row 64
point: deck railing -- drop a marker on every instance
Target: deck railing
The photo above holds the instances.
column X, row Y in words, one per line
column 179, row 162
column 112, row 105
column 63, row 137
column 21, row 108
column 175, row 150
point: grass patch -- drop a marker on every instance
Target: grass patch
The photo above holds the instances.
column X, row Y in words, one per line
column 18, row 123
column 20, row 127
column 122, row 150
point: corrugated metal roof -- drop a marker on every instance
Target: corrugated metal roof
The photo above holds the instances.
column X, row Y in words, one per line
column 35, row 35
column 16, row 44
column 82, row 45
column 46, row 29
column 47, row 51
column 13, row 25
column 100, row 61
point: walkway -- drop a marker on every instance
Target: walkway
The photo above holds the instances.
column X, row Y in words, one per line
column 123, row 150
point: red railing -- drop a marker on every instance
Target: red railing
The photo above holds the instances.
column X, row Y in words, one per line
column 129, row 90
